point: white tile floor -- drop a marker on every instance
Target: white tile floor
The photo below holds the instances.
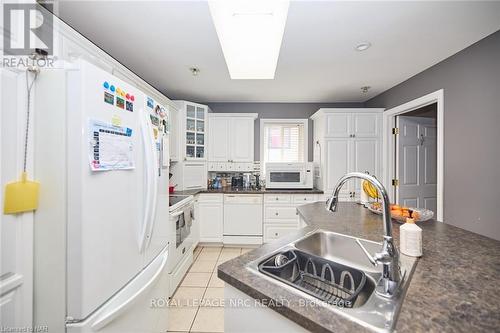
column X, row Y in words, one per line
column 198, row 303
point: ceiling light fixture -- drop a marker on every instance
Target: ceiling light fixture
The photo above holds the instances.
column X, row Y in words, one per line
column 365, row 89
column 250, row 33
column 194, row 70
column 363, row 46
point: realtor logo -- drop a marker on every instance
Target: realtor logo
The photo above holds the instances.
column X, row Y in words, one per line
column 27, row 27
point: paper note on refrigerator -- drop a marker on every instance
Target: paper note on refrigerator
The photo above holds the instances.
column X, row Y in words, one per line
column 111, row 147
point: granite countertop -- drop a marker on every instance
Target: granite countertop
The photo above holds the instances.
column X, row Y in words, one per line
column 230, row 190
column 453, row 287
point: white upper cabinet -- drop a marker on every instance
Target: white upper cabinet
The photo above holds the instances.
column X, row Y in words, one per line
column 349, row 123
column 219, row 137
column 242, row 139
column 231, row 137
column 365, row 125
column 338, row 125
column 192, row 134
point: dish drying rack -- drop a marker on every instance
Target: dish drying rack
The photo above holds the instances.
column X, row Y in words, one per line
column 326, row 280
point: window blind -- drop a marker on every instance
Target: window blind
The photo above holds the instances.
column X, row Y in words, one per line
column 283, row 142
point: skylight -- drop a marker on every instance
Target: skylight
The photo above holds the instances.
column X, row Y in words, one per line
column 250, row 34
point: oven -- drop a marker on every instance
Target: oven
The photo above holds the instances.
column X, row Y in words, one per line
column 289, row 175
column 181, row 215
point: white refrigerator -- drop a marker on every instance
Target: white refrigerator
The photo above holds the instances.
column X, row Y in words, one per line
column 117, row 207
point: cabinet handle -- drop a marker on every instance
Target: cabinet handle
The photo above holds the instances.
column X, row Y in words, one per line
column 275, row 234
column 354, row 135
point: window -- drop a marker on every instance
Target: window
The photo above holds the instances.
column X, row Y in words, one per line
column 283, row 140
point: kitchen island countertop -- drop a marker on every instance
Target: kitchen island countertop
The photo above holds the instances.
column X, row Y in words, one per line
column 454, row 287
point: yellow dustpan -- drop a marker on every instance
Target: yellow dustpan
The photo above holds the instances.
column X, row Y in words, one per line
column 21, row 196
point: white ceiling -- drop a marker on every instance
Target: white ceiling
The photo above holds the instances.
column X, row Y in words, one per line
column 161, row 40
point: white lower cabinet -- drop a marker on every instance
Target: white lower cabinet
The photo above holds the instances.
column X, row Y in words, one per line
column 210, row 217
column 250, row 219
column 275, row 231
column 280, row 213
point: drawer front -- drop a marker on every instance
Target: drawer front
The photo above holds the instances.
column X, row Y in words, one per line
column 304, row 198
column 294, row 221
column 272, row 232
column 278, row 198
column 280, row 212
column 207, row 197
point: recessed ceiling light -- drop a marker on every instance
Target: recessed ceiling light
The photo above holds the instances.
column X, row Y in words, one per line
column 250, row 33
column 363, row 46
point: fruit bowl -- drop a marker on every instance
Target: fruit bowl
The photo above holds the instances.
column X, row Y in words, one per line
column 401, row 213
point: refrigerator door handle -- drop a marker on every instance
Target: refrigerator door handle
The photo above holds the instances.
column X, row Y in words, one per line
column 154, row 187
column 122, row 300
column 149, row 149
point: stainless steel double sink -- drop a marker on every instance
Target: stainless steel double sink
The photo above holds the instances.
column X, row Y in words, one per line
column 321, row 248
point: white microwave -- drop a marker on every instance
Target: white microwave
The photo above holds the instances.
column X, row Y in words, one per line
column 289, row 175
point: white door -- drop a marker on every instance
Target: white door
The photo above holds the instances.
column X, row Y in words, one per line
column 338, row 125
column 16, row 231
column 211, row 216
column 365, row 158
column 338, row 157
column 365, row 125
column 219, row 139
column 416, row 162
column 242, row 136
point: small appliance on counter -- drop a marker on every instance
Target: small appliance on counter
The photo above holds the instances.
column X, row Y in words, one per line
column 289, row 175
column 257, row 182
column 237, row 181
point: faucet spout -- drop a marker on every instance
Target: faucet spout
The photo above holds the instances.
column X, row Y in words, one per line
column 389, row 256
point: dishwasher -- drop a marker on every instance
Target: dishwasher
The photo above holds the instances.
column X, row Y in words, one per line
column 243, row 218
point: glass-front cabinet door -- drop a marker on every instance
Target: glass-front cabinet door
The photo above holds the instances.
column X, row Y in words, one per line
column 195, row 131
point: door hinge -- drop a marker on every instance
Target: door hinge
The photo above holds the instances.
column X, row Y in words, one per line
column 395, row 182
column 395, row 130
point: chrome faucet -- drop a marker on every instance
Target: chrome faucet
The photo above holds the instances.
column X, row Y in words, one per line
column 389, row 256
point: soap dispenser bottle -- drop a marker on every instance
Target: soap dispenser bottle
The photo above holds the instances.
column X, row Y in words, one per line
column 410, row 238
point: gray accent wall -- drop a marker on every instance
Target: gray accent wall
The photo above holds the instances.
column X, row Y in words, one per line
column 278, row 111
column 471, row 83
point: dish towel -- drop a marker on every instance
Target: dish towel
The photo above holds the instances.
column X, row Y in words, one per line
column 187, row 216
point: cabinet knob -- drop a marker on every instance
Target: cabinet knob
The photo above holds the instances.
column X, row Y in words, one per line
column 277, row 199
column 354, row 135
column 275, row 234
column 276, row 214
